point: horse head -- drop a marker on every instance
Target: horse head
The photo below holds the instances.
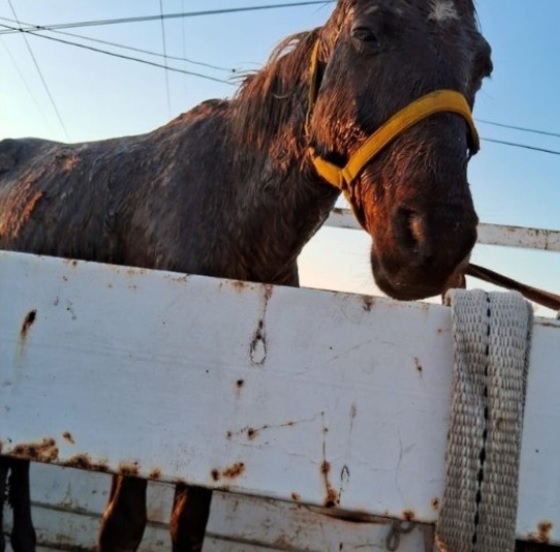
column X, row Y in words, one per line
column 392, row 86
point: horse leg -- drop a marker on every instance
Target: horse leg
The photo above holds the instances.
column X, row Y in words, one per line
column 23, row 534
column 191, row 508
column 124, row 519
column 3, row 476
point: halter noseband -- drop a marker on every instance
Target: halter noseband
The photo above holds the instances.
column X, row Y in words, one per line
column 439, row 101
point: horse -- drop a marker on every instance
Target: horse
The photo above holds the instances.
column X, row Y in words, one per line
column 376, row 104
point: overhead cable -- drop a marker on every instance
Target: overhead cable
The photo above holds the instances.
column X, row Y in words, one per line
column 122, row 56
column 518, row 145
column 144, row 18
column 134, row 49
column 520, row 128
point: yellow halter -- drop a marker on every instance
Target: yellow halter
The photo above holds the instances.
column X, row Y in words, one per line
column 448, row 101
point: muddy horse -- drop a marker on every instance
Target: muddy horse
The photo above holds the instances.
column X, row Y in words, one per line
column 375, row 104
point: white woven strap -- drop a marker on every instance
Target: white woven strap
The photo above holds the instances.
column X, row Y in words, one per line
column 491, row 336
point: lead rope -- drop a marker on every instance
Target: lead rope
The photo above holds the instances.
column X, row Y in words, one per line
column 491, row 341
column 540, row 296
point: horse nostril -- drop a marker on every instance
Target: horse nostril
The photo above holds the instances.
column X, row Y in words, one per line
column 410, row 228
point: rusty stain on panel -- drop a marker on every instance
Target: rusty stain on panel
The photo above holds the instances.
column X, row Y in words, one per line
column 68, row 437
column 71, row 262
column 253, row 432
column 230, row 472
column 28, row 321
column 257, row 349
column 45, row 451
column 418, row 365
column 84, row 462
column 544, row 530
column 332, row 497
column 408, row 515
column 131, row 271
column 368, row 303
column 238, row 387
column 296, row 497
column 233, row 471
column 180, row 279
column 238, row 285
column 435, row 504
column 129, row 469
column 155, row 474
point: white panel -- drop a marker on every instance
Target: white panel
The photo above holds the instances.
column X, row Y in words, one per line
column 293, row 394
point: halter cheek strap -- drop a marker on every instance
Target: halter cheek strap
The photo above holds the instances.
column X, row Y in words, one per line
column 439, row 101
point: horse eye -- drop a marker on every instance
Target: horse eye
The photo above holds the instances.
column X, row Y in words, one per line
column 364, row 34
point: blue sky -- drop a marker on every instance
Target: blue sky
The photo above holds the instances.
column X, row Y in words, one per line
column 100, row 97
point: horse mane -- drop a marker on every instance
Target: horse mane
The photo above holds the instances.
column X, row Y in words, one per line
column 262, row 104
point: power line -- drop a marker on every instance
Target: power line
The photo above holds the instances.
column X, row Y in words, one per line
column 26, row 84
column 165, row 58
column 139, row 19
column 45, row 85
column 518, row 145
column 522, row 129
column 231, row 70
column 122, row 56
column 132, row 48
